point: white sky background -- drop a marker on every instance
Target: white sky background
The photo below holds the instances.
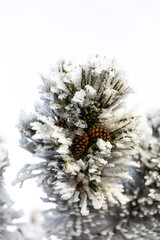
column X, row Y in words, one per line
column 34, row 34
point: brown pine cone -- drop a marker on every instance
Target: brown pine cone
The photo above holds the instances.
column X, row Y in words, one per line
column 62, row 123
column 79, row 144
column 80, row 186
column 98, row 131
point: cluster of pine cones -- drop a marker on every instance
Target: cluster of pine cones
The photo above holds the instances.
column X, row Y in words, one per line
column 80, row 142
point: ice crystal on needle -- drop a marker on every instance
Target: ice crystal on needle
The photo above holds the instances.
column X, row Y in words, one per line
column 84, row 133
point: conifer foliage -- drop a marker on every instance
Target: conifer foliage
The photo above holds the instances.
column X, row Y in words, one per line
column 7, row 214
column 140, row 217
column 85, row 136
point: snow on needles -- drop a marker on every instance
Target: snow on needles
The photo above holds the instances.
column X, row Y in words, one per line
column 7, row 213
column 83, row 96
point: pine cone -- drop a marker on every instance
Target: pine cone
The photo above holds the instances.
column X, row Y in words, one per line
column 62, row 123
column 80, row 186
column 98, row 131
column 79, row 144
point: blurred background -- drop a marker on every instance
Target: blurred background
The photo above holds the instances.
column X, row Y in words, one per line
column 34, row 34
